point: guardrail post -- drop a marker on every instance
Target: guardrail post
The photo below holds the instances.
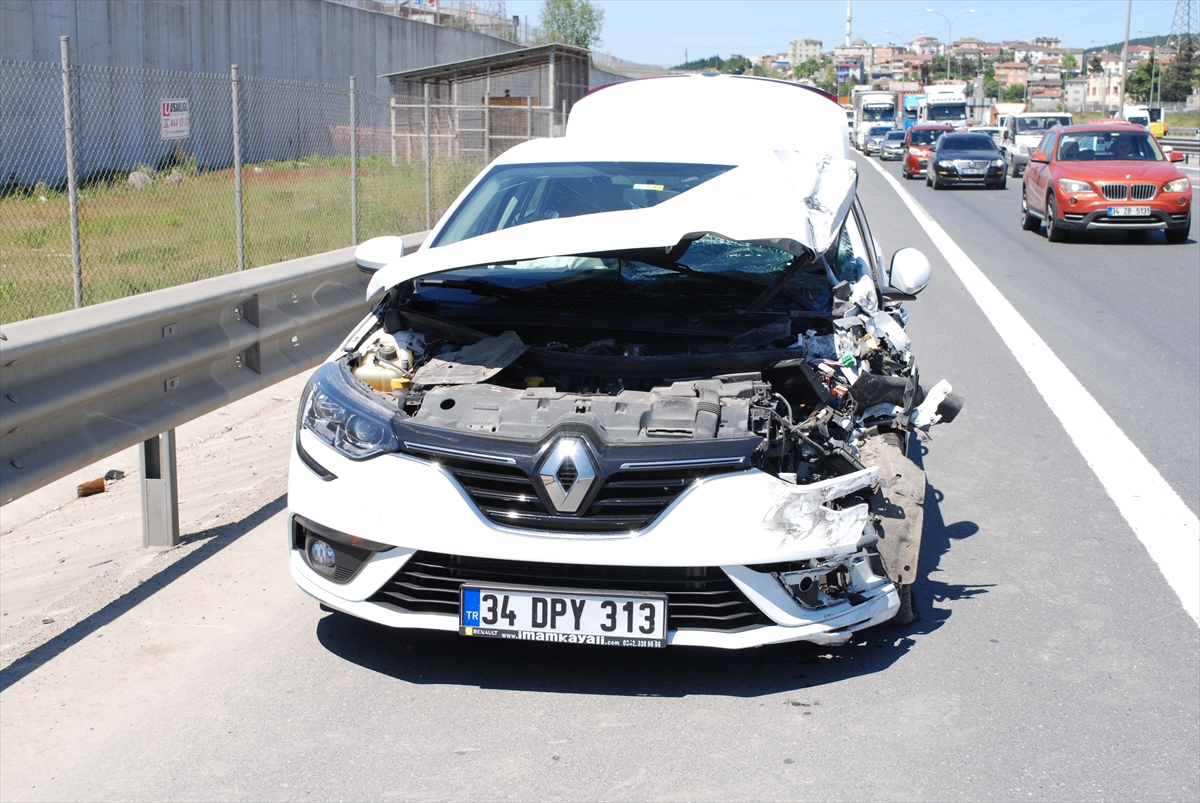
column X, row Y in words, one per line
column 160, row 491
column 237, row 167
column 353, row 165
column 72, row 169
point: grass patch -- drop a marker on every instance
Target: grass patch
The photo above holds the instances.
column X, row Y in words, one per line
column 133, row 241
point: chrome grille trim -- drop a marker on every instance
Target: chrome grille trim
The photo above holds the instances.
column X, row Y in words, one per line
column 1143, row 192
column 1115, row 192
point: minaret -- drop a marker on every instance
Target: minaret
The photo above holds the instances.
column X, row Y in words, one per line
column 847, row 23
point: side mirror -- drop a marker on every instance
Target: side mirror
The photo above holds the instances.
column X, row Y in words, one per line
column 377, row 252
column 1176, row 156
column 1039, row 156
column 910, row 271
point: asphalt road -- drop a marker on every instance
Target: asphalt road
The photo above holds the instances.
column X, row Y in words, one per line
column 1052, row 661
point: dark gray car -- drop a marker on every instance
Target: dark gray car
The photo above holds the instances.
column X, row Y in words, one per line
column 966, row 159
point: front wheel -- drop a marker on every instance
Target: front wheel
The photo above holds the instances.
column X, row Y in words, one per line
column 1002, row 184
column 1176, row 236
column 1055, row 231
column 1028, row 221
column 906, row 614
column 1016, row 170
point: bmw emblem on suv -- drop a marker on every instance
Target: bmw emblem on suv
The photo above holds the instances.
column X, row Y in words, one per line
column 567, row 475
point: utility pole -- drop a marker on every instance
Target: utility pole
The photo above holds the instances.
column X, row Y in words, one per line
column 1124, row 61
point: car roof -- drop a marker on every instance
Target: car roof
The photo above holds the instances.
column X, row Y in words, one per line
column 734, row 112
column 931, row 127
column 1094, row 126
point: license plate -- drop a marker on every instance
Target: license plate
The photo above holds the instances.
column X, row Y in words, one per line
column 974, row 172
column 622, row 619
column 1129, row 211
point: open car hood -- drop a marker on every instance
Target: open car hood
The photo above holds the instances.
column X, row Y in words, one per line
column 792, row 201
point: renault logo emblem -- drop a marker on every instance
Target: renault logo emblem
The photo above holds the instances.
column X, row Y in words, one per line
column 567, row 475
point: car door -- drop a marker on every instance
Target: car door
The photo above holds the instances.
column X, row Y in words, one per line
column 1037, row 175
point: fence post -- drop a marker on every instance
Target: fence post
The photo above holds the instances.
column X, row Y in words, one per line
column 353, row 165
column 428, row 166
column 237, row 167
column 487, row 117
column 392, row 110
column 160, row 491
column 72, row 175
column 551, row 103
column 529, row 118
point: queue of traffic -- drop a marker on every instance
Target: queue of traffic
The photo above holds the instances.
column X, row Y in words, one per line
column 1103, row 175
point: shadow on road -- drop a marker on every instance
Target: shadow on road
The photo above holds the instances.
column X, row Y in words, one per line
column 213, row 540
column 426, row 657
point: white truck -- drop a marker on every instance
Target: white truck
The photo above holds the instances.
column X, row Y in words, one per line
column 872, row 107
column 1023, row 132
column 944, row 103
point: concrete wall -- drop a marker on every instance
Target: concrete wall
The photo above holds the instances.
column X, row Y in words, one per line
column 302, row 40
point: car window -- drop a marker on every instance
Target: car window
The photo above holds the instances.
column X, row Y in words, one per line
column 967, row 142
column 512, row 195
column 1109, row 146
column 880, row 129
column 925, row 137
column 1047, row 143
column 895, row 136
column 1034, row 125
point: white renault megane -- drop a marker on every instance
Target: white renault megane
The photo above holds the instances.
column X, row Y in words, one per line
column 644, row 384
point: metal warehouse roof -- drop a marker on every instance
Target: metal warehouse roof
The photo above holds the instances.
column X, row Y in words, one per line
column 497, row 64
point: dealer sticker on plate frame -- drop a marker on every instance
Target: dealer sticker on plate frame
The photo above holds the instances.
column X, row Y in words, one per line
column 619, row 618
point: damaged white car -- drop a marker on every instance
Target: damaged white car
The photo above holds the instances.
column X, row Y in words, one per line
column 644, row 384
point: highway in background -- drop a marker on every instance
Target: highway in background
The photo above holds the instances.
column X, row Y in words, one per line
column 1052, row 661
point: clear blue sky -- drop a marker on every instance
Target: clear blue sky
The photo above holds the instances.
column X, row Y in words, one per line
column 658, row 31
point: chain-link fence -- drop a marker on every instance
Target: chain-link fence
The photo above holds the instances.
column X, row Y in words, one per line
column 176, row 181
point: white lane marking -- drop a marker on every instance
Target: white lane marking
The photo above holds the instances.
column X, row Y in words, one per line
column 1159, row 518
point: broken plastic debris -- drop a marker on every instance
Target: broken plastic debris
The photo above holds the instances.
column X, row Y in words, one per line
column 90, row 488
column 113, row 474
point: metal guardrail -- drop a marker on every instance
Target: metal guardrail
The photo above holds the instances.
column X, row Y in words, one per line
column 1188, row 146
column 78, row 386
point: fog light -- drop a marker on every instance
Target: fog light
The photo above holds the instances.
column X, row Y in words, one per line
column 1183, row 200
column 322, row 557
column 1074, row 201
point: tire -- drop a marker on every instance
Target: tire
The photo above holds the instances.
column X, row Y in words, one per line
column 937, row 185
column 1176, row 236
column 1016, row 171
column 906, row 614
column 1055, row 232
column 1028, row 221
column 928, row 179
column 907, row 175
column 1002, row 184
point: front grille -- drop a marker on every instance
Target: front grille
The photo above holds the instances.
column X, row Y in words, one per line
column 628, row 500
column 1143, row 192
column 1115, row 192
column 701, row 598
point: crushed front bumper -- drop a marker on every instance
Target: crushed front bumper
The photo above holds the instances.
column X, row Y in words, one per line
column 747, row 532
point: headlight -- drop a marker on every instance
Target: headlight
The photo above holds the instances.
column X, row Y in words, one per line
column 345, row 418
column 1022, row 149
column 914, row 152
column 1071, row 185
column 1178, row 185
column 997, row 163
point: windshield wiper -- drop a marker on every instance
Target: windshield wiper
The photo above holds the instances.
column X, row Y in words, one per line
column 480, row 287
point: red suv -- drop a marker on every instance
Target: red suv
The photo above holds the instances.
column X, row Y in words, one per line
column 917, row 143
column 1112, row 176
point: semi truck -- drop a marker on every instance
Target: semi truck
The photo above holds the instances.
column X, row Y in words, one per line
column 872, row 107
column 944, row 103
column 912, row 104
